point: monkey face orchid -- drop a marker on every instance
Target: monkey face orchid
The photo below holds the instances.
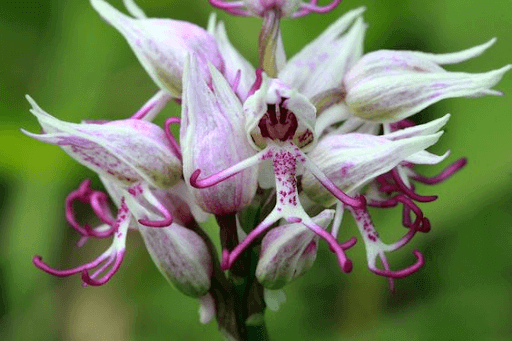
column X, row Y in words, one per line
column 276, row 153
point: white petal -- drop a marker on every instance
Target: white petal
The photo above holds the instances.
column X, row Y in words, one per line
column 393, row 98
column 353, row 160
column 213, row 138
column 126, row 151
column 322, row 63
column 234, row 61
column 134, row 9
column 457, row 57
column 162, row 45
column 422, row 129
column 425, row 158
column 332, row 115
column 349, row 126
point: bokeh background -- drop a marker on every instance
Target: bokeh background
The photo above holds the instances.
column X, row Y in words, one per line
column 76, row 66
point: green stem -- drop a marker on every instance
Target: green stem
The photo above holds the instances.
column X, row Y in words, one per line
column 245, row 294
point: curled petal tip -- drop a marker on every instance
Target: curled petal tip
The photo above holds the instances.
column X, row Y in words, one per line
column 404, row 272
column 445, row 174
column 89, row 281
column 349, row 243
column 425, row 225
column 193, row 178
column 38, row 261
column 347, row 266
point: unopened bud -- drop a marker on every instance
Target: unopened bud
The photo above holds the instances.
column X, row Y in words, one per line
column 213, row 138
column 162, row 45
column 181, row 256
column 288, row 251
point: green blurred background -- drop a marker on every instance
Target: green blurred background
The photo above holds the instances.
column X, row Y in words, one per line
column 76, row 66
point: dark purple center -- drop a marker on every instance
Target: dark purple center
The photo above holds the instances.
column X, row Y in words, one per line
column 278, row 123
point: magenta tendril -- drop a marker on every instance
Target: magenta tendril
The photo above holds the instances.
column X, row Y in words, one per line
column 445, row 174
column 175, row 147
column 230, row 7
column 226, row 173
column 408, row 191
column 404, row 272
column 307, row 8
column 98, row 202
column 349, row 243
column 209, row 181
column 206, row 182
column 100, row 207
column 359, row 201
column 236, row 8
column 345, row 264
column 385, row 264
column 420, row 224
column 405, row 239
column 90, row 279
column 38, row 262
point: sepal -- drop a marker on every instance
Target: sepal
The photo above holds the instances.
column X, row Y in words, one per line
column 125, row 151
column 212, row 137
column 162, row 45
column 388, row 86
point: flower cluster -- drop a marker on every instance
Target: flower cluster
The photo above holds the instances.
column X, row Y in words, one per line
column 275, row 153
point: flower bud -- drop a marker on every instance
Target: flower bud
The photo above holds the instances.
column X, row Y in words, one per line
column 125, row 151
column 162, row 45
column 388, row 86
column 181, row 256
column 288, row 251
column 213, row 138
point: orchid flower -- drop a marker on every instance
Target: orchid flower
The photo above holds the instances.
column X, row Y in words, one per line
column 280, row 124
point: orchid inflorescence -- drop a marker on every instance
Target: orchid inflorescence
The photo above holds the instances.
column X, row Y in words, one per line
column 262, row 149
